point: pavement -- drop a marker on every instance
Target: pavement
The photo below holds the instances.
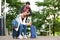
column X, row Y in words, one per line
column 37, row 38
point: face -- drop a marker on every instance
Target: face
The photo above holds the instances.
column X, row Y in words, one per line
column 27, row 5
column 24, row 14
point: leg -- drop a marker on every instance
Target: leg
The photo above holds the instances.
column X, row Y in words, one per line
column 24, row 29
column 20, row 29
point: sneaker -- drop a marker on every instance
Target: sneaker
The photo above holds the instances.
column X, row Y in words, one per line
column 20, row 37
column 25, row 37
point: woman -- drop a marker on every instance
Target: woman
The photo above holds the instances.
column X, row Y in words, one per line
column 21, row 19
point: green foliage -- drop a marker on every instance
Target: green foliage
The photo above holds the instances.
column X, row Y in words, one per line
column 38, row 18
column 14, row 7
column 48, row 11
column 14, row 3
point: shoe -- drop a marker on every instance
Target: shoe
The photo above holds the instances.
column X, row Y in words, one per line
column 25, row 37
column 20, row 37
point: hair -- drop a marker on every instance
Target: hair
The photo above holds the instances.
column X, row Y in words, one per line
column 28, row 3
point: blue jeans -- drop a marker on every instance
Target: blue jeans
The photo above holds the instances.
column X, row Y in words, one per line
column 20, row 29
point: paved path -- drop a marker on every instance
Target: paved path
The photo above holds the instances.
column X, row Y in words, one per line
column 38, row 38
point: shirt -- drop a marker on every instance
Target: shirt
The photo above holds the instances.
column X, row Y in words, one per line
column 19, row 20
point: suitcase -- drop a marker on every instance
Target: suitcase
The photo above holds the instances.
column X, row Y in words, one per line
column 33, row 31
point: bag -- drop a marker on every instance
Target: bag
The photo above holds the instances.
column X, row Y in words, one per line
column 14, row 23
column 33, row 31
column 15, row 33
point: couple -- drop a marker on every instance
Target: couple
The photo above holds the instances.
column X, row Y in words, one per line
column 21, row 20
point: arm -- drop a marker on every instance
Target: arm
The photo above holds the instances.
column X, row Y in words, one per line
column 21, row 9
column 30, row 11
column 24, row 22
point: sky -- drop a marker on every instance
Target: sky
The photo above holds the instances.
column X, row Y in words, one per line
column 32, row 2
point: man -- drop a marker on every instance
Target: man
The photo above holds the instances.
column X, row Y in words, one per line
column 22, row 24
column 26, row 8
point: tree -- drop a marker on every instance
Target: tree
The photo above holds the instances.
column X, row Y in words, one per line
column 13, row 10
column 51, row 7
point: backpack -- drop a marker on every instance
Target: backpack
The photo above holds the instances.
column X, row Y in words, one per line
column 33, row 31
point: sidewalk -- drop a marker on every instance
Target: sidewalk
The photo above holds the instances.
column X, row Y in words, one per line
column 38, row 38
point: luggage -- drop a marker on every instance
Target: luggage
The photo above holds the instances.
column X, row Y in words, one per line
column 33, row 31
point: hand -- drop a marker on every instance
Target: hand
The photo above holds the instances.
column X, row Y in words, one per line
column 29, row 24
column 25, row 12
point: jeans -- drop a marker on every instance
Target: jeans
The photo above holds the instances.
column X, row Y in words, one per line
column 21, row 28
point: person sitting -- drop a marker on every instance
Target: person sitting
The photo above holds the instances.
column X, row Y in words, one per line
column 21, row 19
